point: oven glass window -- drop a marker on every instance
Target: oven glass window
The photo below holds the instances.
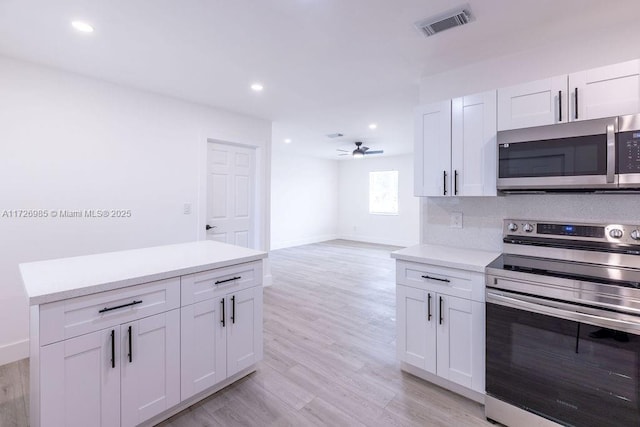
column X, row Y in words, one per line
column 569, row 372
column 579, row 156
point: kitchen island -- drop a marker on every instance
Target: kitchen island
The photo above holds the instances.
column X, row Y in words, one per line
column 130, row 338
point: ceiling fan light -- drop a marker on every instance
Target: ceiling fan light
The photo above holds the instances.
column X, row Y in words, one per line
column 358, row 154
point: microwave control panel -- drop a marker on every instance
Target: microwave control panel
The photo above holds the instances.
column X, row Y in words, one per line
column 629, row 152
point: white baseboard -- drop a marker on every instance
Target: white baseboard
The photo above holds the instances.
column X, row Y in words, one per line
column 378, row 240
column 14, row 351
column 267, row 280
column 302, row 241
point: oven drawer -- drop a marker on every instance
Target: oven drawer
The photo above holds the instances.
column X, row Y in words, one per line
column 212, row 283
column 65, row 319
column 445, row 280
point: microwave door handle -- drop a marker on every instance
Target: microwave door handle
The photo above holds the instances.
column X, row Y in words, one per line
column 611, row 153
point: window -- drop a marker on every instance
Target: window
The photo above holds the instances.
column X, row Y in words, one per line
column 383, row 192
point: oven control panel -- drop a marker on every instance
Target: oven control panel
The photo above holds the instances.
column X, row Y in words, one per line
column 613, row 233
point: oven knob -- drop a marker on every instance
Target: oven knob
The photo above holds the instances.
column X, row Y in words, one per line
column 527, row 227
column 635, row 234
column 513, row 226
column 616, row 233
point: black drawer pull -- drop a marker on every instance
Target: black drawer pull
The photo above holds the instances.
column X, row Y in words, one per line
column 113, row 348
column 130, row 347
column 227, row 280
column 120, row 306
column 436, row 278
column 223, row 315
column 233, row 309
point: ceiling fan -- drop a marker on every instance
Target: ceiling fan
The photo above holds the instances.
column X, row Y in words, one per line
column 360, row 151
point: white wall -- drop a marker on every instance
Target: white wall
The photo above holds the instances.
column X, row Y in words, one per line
column 482, row 217
column 304, row 201
column 355, row 221
column 70, row 142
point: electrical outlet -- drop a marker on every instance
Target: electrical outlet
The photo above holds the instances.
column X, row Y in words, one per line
column 186, row 209
column 456, row 220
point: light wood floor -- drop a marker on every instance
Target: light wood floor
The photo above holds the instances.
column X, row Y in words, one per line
column 329, row 350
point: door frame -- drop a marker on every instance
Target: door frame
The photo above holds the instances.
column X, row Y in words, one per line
column 260, row 189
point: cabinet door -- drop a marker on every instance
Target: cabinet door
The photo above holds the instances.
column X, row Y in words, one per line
column 606, row 91
column 416, row 330
column 79, row 383
column 473, row 145
column 203, row 347
column 433, row 150
column 542, row 102
column 244, row 329
column 461, row 341
column 150, row 366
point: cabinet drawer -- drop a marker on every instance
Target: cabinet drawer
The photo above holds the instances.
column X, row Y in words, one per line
column 212, row 283
column 449, row 281
column 77, row 316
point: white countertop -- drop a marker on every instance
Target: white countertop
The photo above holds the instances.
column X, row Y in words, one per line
column 58, row 279
column 447, row 256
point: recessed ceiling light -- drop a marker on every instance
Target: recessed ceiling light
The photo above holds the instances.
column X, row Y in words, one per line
column 257, row 87
column 373, row 126
column 287, row 141
column 83, row 27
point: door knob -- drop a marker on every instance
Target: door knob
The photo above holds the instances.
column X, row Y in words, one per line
column 208, row 227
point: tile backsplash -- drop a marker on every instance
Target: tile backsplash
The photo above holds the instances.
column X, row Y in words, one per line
column 482, row 216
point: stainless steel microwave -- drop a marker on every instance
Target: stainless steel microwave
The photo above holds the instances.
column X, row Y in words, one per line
column 590, row 155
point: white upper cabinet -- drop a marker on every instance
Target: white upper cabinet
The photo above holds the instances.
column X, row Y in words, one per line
column 542, row 102
column 606, row 91
column 473, row 145
column 455, row 147
column 433, row 149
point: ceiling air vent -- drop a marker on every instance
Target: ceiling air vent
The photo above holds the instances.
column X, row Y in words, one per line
column 334, row 135
column 444, row 21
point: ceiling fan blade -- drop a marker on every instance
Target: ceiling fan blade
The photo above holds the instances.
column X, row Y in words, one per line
column 344, row 154
column 364, row 148
column 345, row 151
column 374, row 152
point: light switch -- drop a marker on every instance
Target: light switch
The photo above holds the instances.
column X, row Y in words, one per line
column 187, row 209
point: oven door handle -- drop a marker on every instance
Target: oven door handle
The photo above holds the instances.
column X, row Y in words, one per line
column 556, row 309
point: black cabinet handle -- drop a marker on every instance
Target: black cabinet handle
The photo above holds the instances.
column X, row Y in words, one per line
column 441, row 315
column 130, row 347
column 120, row 306
column 227, row 280
column 222, row 321
column 209, row 227
column 455, row 182
column 113, row 348
column 436, row 278
column 429, row 307
column 576, row 103
column 444, row 183
column 233, row 309
column 559, row 105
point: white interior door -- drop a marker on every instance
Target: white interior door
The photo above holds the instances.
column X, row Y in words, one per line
column 230, row 194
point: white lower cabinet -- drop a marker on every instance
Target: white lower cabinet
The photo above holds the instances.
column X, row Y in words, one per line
column 221, row 336
column 438, row 331
column 150, row 367
column 118, row 376
column 129, row 356
column 244, row 336
column 80, row 385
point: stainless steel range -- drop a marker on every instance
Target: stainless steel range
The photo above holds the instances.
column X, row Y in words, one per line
column 563, row 325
